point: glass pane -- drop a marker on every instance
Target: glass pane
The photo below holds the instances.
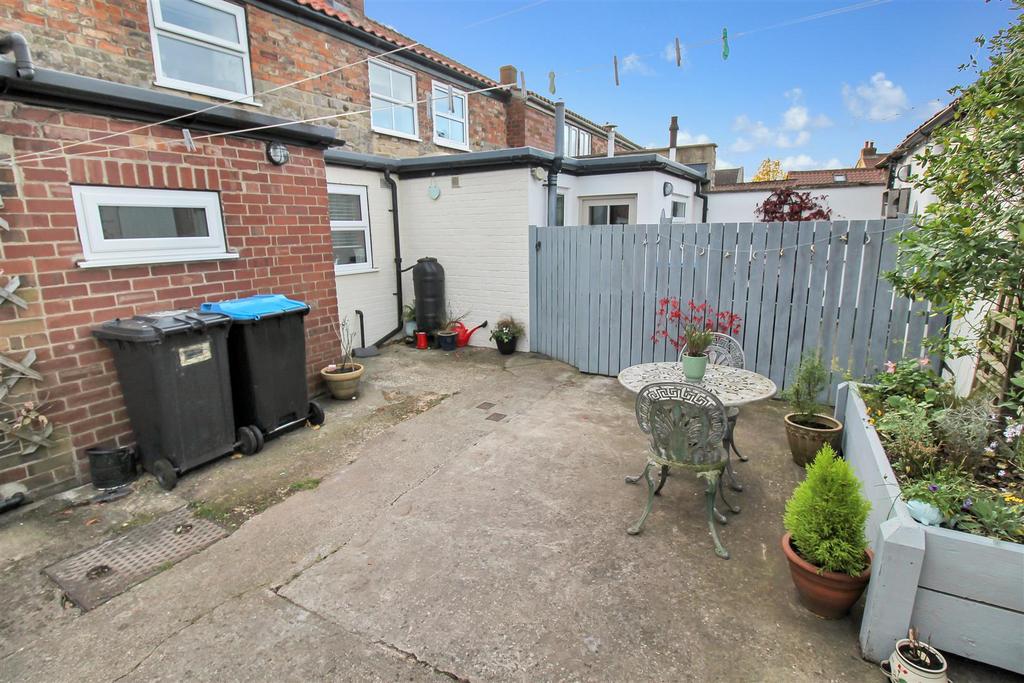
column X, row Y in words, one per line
column 401, row 86
column 148, row 222
column 380, row 80
column 678, row 209
column 349, row 246
column 584, row 143
column 189, row 14
column 344, row 207
column 383, row 116
column 202, row 65
column 560, row 210
column 440, row 98
column 441, row 127
column 457, row 131
column 620, row 214
column 404, row 121
column 598, row 215
column 460, row 107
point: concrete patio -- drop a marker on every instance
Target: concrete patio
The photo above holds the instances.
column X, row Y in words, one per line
column 451, row 543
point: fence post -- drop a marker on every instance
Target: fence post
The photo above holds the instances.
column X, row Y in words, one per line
column 533, row 332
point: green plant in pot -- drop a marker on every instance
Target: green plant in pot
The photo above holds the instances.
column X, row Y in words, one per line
column 446, row 334
column 505, row 334
column 828, row 554
column 807, row 428
column 343, row 377
column 409, row 317
column 695, row 357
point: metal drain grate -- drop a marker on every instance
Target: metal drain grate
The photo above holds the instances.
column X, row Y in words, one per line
column 96, row 575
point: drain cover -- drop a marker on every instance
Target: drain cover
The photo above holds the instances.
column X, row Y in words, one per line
column 95, row 575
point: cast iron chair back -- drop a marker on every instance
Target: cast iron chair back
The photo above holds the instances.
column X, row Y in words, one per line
column 686, row 424
column 724, row 350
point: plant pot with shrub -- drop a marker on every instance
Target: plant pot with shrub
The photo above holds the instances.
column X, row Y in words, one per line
column 447, row 336
column 342, row 378
column 807, row 428
column 505, row 334
column 915, row 662
column 824, row 543
column 409, row 317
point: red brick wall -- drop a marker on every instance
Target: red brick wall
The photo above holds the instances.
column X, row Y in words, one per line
column 275, row 217
column 530, row 127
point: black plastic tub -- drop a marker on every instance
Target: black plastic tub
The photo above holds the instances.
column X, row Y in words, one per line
column 111, row 468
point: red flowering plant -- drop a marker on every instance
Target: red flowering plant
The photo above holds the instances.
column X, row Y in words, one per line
column 693, row 329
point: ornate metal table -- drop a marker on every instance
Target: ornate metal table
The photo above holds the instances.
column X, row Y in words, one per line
column 732, row 386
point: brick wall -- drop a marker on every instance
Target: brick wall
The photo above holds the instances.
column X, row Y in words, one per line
column 531, row 127
column 274, row 217
column 110, row 39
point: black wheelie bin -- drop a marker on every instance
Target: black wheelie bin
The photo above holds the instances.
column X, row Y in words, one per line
column 173, row 369
column 267, row 351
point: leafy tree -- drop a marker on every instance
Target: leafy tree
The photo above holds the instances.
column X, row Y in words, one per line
column 969, row 248
column 770, row 169
column 786, row 204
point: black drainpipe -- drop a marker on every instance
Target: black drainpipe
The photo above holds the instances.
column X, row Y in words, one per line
column 398, row 258
column 704, row 203
column 16, row 43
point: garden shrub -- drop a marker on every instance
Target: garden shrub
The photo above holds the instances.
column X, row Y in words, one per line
column 825, row 516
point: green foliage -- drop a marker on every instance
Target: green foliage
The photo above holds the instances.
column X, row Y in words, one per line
column 505, row 329
column 808, row 384
column 968, row 248
column 826, row 514
column 906, row 433
column 698, row 339
column 409, row 312
column 948, row 490
column 964, row 430
column 912, row 378
column 304, row 484
column 991, row 515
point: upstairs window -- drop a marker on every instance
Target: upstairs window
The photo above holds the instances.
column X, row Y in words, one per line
column 393, row 101
column 201, row 46
column 577, row 141
column 451, row 118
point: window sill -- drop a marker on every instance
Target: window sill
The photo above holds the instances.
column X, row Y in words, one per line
column 443, row 142
column 360, row 271
column 236, row 98
column 153, row 260
column 396, row 134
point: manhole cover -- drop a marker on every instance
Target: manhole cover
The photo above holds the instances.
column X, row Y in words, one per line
column 94, row 576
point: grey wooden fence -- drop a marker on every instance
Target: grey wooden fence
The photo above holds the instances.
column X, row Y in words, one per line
column 800, row 287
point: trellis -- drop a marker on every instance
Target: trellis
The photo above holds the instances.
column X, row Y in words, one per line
column 997, row 359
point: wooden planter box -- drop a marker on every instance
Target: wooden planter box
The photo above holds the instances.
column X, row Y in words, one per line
column 963, row 593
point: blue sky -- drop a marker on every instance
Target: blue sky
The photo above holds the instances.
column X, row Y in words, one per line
column 810, row 93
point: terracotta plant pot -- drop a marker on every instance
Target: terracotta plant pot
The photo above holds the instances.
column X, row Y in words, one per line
column 343, row 384
column 507, row 348
column 808, row 433
column 902, row 667
column 694, row 367
column 827, row 594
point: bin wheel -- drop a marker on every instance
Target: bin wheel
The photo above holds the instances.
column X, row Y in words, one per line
column 165, row 475
column 260, row 439
column 316, row 414
column 249, row 440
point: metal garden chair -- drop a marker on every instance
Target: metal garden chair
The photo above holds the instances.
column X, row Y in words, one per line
column 686, row 424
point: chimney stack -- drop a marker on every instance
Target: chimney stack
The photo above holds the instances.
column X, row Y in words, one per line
column 610, row 127
column 673, row 137
column 508, row 74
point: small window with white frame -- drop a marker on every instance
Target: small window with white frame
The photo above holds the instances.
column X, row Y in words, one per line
column 201, row 46
column 451, row 116
column 128, row 226
column 350, row 228
column 578, row 142
column 393, row 100
column 679, row 209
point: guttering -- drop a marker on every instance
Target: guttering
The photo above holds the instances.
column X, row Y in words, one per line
column 393, row 184
column 16, row 43
column 61, row 90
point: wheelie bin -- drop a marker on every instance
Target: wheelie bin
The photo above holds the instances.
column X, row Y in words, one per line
column 267, row 352
column 173, row 369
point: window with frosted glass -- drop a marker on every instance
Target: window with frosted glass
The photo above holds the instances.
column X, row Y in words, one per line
column 350, row 228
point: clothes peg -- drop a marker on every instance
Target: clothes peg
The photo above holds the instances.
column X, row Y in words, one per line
column 451, row 98
column 551, row 82
column 679, row 52
column 190, row 144
column 725, row 43
column 615, row 64
column 522, row 85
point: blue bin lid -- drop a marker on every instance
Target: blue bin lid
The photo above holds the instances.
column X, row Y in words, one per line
column 255, row 307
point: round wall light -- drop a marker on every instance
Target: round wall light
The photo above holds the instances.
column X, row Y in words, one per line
column 277, row 153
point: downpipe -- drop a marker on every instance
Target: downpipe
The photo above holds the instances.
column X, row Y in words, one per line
column 16, row 43
column 395, row 226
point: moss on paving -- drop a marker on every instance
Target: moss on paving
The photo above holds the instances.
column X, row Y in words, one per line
column 304, row 484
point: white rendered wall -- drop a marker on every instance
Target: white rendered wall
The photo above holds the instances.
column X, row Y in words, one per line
column 857, row 202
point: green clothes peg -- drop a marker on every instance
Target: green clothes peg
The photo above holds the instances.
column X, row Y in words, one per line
column 725, row 43
column 551, row 82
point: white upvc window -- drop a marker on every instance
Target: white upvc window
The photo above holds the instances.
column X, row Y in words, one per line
column 201, row 46
column 393, row 100
column 609, row 210
column 451, row 118
column 128, row 226
column 578, row 142
column 350, row 228
column 679, row 204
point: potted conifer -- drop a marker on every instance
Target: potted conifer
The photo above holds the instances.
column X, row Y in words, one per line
column 828, row 554
column 807, row 427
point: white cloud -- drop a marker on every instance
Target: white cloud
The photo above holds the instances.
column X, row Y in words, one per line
column 721, row 162
column 795, row 118
column 877, row 100
column 804, row 162
column 794, row 94
column 669, row 53
column 634, row 63
column 793, row 130
column 685, row 137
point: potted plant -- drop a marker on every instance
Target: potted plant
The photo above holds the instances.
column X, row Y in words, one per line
column 409, row 316
column 446, row 333
column 807, row 429
column 824, row 543
column 915, row 662
column 692, row 331
column 506, row 335
column 343, row 377
column 695, row 357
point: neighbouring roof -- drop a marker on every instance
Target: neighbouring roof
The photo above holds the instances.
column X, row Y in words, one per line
column 871, row 160
column 921, row 133
column 550, row 104
column 808, row 179
column 728, row 176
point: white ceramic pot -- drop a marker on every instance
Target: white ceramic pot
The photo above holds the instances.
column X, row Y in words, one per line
column 900, row 669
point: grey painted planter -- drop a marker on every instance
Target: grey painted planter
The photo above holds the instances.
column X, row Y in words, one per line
column 963, row 593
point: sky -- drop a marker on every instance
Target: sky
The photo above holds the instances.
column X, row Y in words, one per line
column 808, row 93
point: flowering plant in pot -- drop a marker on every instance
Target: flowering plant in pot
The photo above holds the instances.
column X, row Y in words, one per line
column 828, row 554
column 807, row 428
column 691, row 332
column 343, row 377
column 505, row 334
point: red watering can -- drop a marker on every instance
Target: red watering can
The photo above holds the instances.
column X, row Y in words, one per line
column 463, row 333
